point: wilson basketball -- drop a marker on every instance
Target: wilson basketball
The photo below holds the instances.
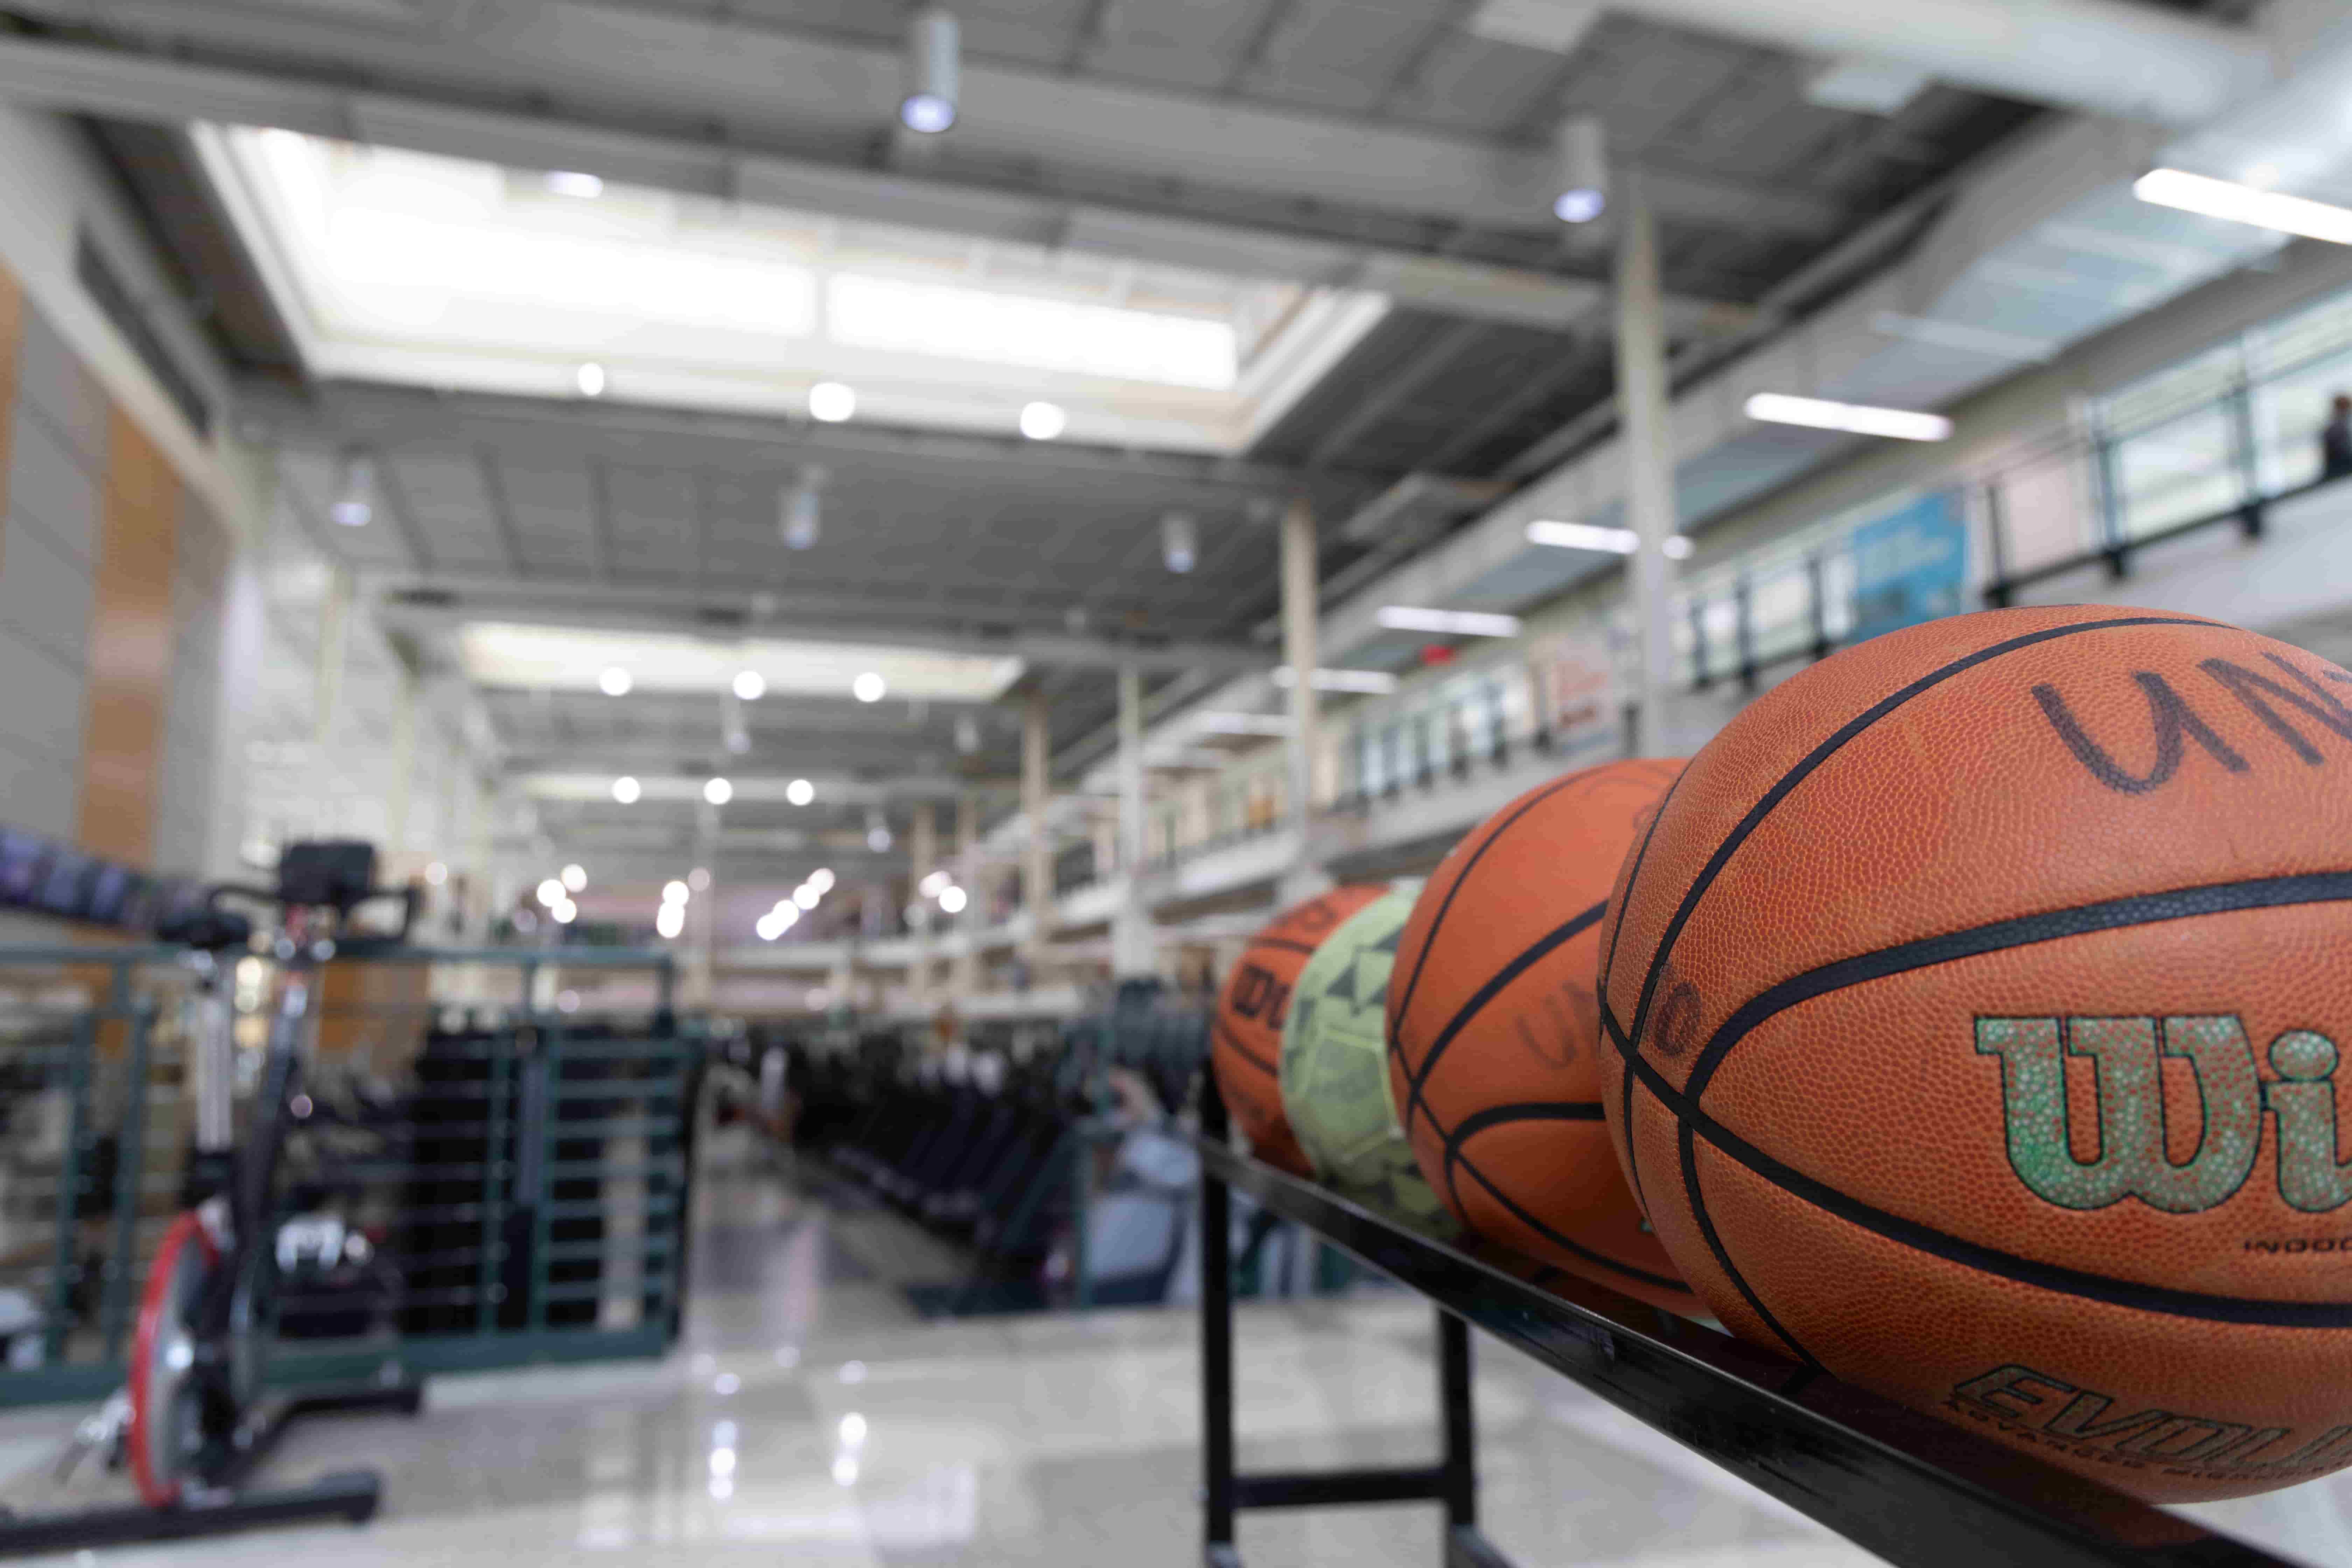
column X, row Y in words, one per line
column 1246, row 1040
column 1335, row 1081
column 1975, row 1002
column 1495, row 1031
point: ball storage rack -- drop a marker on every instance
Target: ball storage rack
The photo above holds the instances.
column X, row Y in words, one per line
column 1915, row 1490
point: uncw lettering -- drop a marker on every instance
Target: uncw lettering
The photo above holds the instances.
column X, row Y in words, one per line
column 2174, row 721
column 2126, row 1056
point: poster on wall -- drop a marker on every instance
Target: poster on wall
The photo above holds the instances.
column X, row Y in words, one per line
column 1910, row 567
column 1576, row 677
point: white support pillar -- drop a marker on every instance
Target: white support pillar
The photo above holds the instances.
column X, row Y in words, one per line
column 1647, row 436
column 327, row 693
column 924, row 853
column 400, row 786
column 963, row 970
column 1036, row 861
column 1301, row 615
column 1130, row 934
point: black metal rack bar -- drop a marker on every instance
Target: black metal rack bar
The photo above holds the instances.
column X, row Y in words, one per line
column 1918, row 1491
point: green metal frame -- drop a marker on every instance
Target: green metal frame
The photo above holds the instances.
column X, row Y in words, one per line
column 542, row 1091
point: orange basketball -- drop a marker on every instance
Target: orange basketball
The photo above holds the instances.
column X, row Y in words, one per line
column 1246, row 1042
column 1974, row 1002
column 1494, row 1034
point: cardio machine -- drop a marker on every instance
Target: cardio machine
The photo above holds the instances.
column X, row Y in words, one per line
column 195, row 1416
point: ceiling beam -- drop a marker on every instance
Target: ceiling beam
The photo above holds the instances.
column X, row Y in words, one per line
column 436, row 606
column 124, row 83
column 574, row 430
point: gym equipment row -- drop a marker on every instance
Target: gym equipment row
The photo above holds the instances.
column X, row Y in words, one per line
column 1025, row 1164
column 235, row 1185
column 1911, row 1488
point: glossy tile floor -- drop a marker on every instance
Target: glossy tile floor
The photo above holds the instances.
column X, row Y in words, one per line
column 810, row 1419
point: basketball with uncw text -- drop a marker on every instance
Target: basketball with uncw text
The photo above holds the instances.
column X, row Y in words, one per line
column 1977, row 1004
column 1494, row 1032
column 1246, row 1037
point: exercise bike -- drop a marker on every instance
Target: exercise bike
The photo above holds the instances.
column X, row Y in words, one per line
column 195, row 1416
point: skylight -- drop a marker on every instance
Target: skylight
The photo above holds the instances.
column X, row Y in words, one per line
column 555, row 658
column 426, row 270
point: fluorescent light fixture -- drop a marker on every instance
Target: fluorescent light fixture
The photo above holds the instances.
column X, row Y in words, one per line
column 2227, row 199
column 1579, row 171
column 626, row 790
column 869, row 688
column 750, row 684
column 1375, row 681
column 953, row 900
column 1583, row 536
column 1447, row 622
column 674, row 891
column 1042, row 421
column 566, row 183
column 1243, row 724
column 614, row 681
column 1180, row 541
column 830, row 403
column 590, row 379
column 354, row 503
column 821, row 879
column 1860, row 418
column 571, row 658
column 800, row 792
column 718, row 792
column 551, row 892
column 933, row 57
column 573, row 876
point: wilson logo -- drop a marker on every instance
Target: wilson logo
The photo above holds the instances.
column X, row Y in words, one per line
column 2127, row 1058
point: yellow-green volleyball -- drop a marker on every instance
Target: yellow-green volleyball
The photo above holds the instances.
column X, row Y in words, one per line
column 1335, row 1073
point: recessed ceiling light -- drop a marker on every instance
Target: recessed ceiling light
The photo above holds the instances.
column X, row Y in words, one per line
column 1044, row 421
column 574, row 878
column 869, row 688
column 750, row 684
column 625, row 790
column 718, row 792
column 831, row 402
column 674, row 891
column 614, row 681
column 567, row 182
column 591, row 377
column 800, row 792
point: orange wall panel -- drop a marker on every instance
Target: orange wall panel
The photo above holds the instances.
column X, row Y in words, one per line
column 129, row 647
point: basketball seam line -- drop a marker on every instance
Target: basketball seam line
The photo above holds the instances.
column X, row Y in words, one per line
column 1805, row 767
column 1445, row 905
column 1600, row 1259
column 1416, row 1077
column 1689, row 1153
column 1609, row 962
column 1247, row 1055
column 2272, row 892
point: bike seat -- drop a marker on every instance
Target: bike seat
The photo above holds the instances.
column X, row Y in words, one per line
column 211, row 929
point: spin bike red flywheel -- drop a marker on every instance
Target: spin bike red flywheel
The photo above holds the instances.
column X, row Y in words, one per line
column 166, row 1402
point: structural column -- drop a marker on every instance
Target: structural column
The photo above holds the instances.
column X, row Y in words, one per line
column 327, row 690
column 1036, row 860
column 1646, row 435
column 963, row 969
column 1130, row 933
column 1301, row 613
column 924, row 854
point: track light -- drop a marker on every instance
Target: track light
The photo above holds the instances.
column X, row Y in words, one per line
column 1579, row 171
column 354, row 505
column 800, row 511
column 1180, row 541
column 934, row 62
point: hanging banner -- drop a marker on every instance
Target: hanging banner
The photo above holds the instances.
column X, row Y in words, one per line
column 1576, row 687
column 1910, row 567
